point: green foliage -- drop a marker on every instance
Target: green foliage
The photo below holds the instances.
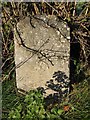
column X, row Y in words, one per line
column 79, row 102
column 79, row 7
column 32, row 105
column 33, row 108
column 56, row 111
column 79, row 72
column 9, row 97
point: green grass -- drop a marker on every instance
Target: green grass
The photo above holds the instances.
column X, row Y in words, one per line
column 9, row 97
column 79, row 103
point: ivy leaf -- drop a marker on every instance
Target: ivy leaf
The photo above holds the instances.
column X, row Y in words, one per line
column 54, row 111
column 60, row 111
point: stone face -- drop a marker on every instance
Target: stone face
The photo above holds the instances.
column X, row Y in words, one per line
column 42, row 46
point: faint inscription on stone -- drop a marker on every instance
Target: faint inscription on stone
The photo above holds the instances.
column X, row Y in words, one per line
column 42, row 51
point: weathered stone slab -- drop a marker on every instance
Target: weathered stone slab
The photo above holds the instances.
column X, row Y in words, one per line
column 42, row 51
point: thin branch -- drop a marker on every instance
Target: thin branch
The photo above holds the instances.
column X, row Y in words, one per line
column 34, row 50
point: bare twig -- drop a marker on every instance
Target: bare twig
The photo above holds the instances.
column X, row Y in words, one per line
column 34, row 50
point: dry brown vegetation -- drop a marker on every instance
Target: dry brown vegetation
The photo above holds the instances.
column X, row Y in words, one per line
column 77, row 15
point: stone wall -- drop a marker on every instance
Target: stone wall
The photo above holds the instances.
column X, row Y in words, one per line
column 42, row 51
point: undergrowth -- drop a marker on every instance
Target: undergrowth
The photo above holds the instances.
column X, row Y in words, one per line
column 32, row 105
